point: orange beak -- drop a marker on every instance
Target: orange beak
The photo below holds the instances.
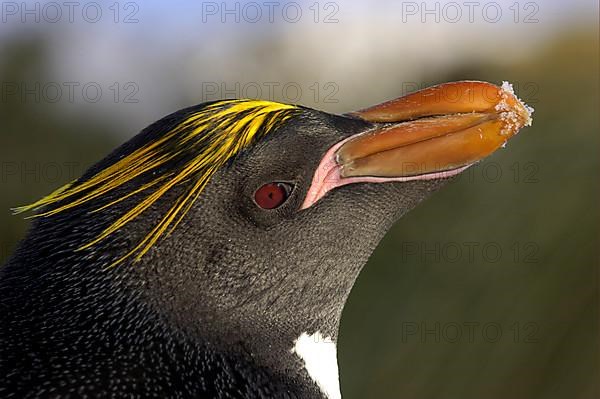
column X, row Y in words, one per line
column 433, row 133
column 437, row 129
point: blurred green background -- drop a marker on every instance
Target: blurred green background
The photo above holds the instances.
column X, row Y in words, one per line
column 487, row 290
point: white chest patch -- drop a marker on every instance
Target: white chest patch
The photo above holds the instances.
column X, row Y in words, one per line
column 320, row 361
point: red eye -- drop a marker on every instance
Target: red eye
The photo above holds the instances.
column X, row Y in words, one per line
column 272, row 195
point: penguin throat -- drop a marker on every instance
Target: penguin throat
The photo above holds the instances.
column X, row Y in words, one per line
column 319, row 354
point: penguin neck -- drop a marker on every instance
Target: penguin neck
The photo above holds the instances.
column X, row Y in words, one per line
column 302, row 336
column 293, row 333
column 300, row 344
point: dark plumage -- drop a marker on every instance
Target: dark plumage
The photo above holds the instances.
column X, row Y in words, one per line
column 212, row 309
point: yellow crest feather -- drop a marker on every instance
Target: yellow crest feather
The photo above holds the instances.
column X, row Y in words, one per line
column 189, row 153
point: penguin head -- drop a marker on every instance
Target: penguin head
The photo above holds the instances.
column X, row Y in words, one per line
column 254, row 218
